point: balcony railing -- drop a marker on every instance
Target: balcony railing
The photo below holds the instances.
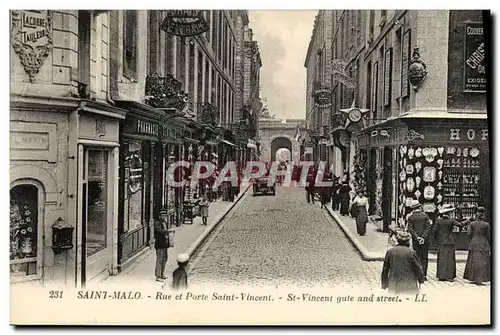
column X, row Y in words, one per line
column 165, row 92
column 208, row 114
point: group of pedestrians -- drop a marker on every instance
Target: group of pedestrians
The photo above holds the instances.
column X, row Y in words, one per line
column 405, row 265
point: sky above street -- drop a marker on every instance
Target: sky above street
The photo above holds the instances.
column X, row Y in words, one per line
column 283, row 38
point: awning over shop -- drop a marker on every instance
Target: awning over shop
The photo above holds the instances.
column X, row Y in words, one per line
column 228, row 143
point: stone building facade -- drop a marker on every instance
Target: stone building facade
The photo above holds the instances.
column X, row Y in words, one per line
column 402, row 111
column 90, row 141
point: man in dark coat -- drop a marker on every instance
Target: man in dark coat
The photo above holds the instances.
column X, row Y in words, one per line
column 419, row 226
column 311, row 180
column 402, row 271
column 161, row 244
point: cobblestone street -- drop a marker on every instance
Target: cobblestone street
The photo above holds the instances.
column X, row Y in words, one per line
column 282, row 240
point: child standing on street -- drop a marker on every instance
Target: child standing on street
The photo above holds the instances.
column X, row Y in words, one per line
column 204, row 209
column 180, row 275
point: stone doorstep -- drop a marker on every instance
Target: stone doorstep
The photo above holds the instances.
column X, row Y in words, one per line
column 367, row 255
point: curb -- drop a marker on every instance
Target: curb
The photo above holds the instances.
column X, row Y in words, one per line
column 375, row 256
column 193, row 248
column 365, row 254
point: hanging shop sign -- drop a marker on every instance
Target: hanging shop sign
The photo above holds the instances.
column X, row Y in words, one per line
column 184, row 23
column 338, row 72
column 323, row 98
column 474, row 70
column 31, row 38
column 354, row 114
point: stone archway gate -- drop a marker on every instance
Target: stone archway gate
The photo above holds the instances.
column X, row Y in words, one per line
column 271, row 129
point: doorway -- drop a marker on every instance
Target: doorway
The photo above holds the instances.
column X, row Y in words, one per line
column 95, row 211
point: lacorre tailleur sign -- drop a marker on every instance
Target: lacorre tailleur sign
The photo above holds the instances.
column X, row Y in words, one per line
column 474, row 70
column 31, row 38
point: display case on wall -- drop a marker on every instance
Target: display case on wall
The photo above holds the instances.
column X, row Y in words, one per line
column 438, row 175
column 462, row 180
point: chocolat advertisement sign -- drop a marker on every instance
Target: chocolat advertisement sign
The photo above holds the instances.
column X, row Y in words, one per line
column 474, row 69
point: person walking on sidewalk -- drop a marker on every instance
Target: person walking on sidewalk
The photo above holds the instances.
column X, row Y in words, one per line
column 335, row 197
column 402, row 271
column 477, row 268
column 161, row 244
column 204, row 204
column 359, row 210
column 179, row 276
column 419, row 226
column 311, row 179
column 445, row 240
column 344, row 197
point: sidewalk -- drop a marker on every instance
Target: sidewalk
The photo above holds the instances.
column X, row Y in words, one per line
column 187, row 240
column 374, row 244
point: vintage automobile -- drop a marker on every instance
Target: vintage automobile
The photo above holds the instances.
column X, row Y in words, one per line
column 260, row 185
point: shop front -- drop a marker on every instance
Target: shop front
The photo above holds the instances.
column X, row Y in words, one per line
column 64, row 183
column 435, row 161
column 140, row 174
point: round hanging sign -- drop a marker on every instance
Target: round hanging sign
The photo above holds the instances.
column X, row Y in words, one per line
column 323, row 98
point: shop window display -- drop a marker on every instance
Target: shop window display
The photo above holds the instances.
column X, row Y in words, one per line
column 24, row 230
column 438, row 175
column 97, row 201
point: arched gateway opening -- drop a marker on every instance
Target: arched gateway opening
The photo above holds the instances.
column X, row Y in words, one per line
column 279, row 143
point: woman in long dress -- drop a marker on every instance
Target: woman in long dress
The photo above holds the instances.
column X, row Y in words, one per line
column 360, row 211
column 344, row 197
column 445, row 240
column 477, row 268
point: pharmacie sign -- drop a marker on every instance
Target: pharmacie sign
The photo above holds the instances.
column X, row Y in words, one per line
column 184, row 23
column 474, row 69
column 31, row 38
column 323, row 98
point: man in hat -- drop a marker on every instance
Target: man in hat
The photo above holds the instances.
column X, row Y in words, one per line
column 161, row 244
column 419, row 226
column 179, row 277
column 402, row 271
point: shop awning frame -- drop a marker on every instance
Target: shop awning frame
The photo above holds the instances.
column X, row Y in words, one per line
column 227, row 142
